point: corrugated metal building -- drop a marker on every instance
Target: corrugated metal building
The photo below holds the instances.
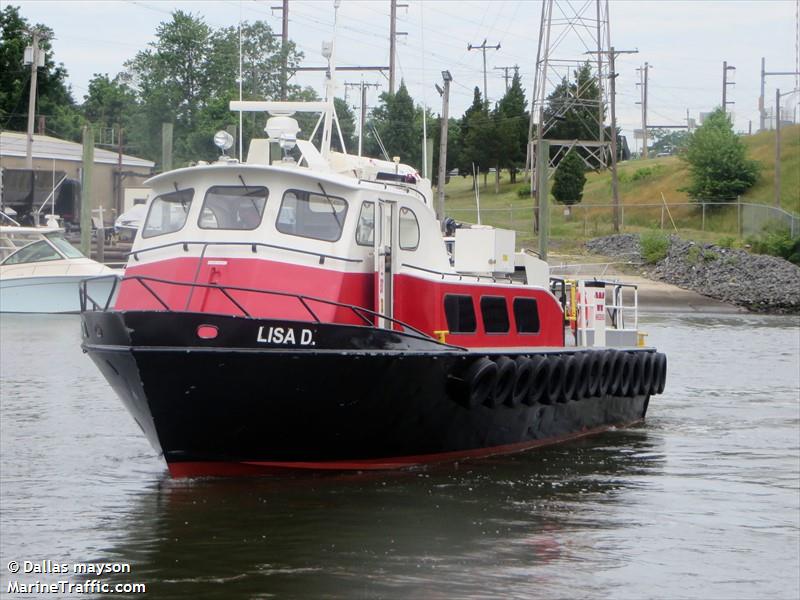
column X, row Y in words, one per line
column 54, row 159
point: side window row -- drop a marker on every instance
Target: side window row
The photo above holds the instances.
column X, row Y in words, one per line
column 302, row 213
column 460, row 314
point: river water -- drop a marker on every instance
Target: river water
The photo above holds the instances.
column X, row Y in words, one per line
column 702, row 501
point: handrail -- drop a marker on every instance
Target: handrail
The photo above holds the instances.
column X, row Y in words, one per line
column 402, row 186
column 358, row 311
column 253, row 246
column 460, row 275
column 84, row 296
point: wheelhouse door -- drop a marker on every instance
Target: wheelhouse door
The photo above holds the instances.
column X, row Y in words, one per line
column 386, row 235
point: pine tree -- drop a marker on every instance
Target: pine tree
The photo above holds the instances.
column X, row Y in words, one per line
column 512, row 128
column 569, row 179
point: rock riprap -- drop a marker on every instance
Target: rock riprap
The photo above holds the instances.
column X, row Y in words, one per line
column 754, row 281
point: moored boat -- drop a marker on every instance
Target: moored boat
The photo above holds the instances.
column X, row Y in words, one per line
column 307, row 312
column 40, row 271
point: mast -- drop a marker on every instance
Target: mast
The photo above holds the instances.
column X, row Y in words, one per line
column 329, row 51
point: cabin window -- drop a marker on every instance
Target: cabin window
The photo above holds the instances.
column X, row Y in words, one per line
column 495, row 314
column 460, row 314
column 312, row 215
column 233, row 207
column 168, row 213
column 526, row 314
column 36, row 252
column 365, row 231
column 409, row 229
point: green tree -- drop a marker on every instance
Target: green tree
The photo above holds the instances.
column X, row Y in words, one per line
column 466, row 155
column 666, row 140
column 572, row 107
column 188, row 76
column 569, row 179
column 717, row 159
column 512, row 128
column 395, row 121
column 54, row 100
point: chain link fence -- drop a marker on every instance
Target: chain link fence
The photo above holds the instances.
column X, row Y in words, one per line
column 738, row 219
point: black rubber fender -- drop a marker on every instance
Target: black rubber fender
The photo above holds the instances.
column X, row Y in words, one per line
column 582, row 386
column 662, row 373
column 522, row 382
column 555, row 384
column 572, row 368
column 634, row 358
column 504, row 385
column 480, row 378
column 594, row 373
column 624, row 383
column 616, row 360
column 540, row 380
column 606, row 372
column 647, row 373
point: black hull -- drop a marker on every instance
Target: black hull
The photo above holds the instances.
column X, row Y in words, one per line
column 358, row 398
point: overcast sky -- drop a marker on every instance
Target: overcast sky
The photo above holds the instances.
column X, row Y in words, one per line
column 684, row 42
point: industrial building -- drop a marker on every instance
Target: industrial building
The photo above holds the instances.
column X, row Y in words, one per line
column 117, row 179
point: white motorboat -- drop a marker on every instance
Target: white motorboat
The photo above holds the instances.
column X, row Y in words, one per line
column 40, row 272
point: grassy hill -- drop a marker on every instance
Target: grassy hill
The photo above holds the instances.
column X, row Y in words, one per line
column 641, row 186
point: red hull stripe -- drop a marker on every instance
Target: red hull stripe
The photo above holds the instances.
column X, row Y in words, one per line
column 249, row 468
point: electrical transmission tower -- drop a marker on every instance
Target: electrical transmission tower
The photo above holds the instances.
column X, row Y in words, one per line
column 570, row 36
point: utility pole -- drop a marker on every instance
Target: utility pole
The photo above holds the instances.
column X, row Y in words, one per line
column 725, row 84
column 778, row 148
column 35, row 59
column 362, row 108
column 506, row 76
column 443, row 146
column 284, row 8
column 761, row 101
column 612, row 76
column 484, row 47
column 393, row 33
column 643, row 72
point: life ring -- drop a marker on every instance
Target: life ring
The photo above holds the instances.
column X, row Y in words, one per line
column 540, row 380
column 555, row 384
column 647, row 373
column 662, row 373
column 572, row 368
column 522, row 382
column 480, row 378
column 636, row 373
column 504, row 385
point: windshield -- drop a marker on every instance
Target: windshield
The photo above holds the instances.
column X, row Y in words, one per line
column 36, row 252
column 64, row 246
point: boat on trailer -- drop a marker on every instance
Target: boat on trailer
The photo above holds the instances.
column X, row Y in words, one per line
column 304, row 310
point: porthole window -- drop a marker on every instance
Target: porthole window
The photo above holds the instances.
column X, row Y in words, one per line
column 495, row 314
column 409, row 229
column 233, row 207
column 168, row 213
column 526, row 314
column 460, row 313
column 312, row 215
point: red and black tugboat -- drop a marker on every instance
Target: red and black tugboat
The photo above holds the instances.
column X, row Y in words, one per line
column 307, row 312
